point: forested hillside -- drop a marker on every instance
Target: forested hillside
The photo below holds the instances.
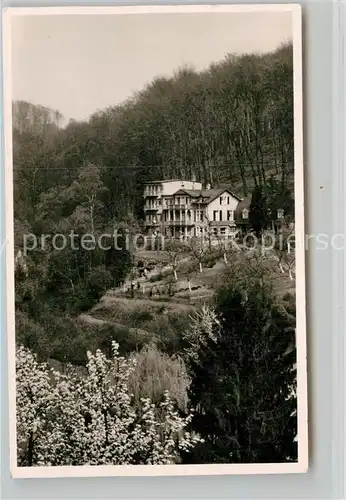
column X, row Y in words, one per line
column 231, row 124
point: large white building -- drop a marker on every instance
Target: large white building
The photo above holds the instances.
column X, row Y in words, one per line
column 184, row 209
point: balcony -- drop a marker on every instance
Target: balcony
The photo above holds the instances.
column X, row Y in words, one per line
column 176, row 206
column 181, row 222
column 150, row 194
column 151, row 208
column 150, row 223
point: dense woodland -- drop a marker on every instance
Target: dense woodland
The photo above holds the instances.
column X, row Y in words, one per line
column 229, row 125
column 232, row 124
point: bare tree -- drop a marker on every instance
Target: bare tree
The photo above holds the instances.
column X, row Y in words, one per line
column 173, row 250
column 198, row 250
column 191, row 273
column 283, row 250
column 290, row 260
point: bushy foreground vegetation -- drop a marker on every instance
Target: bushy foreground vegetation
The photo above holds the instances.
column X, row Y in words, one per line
column 89, row 420
column 229, row 396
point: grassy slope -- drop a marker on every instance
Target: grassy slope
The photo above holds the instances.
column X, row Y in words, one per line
column 142, row 311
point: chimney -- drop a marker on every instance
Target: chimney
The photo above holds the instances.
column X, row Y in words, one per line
column 193, row 178
column 207, row 187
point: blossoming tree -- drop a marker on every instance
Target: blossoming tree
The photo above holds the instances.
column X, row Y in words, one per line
column 74, row 420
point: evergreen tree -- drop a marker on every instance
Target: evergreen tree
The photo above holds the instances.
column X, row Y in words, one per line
column 258, row 215
column 278, row 197
column 243, row 381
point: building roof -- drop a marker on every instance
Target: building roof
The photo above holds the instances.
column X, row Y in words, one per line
column 208, row 194
column 169, row 180
column 244, row 204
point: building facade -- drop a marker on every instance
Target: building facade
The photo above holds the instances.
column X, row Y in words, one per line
column 184, row 209
column 158, row 196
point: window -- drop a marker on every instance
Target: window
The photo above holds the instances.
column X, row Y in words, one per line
column 227, row 200
column 221, row 200
column 220, row 215
column 202, row 215
column 215, row 231
column 230, row 214
column 223, row 231
column 214, row 215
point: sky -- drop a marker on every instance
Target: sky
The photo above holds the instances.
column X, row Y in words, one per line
column 80, row 64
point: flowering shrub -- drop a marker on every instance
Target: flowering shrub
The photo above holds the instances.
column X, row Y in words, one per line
column 91, row 420
column 204, row 326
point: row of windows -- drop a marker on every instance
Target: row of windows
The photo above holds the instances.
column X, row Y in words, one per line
column 217, row 231
column 152, row 218
column 152, row 204
column 225, row 200
column 181, row 200
column 219, row 215
column 196, row 216
column 185, row 200
column 153, row 190
column 199, row 215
